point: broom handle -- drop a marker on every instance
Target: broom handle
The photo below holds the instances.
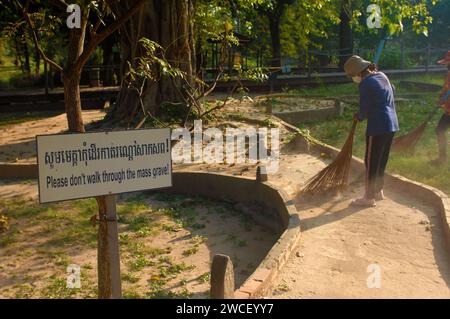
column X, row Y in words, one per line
column 355, row 123
column 351, row 135
column 430, row 116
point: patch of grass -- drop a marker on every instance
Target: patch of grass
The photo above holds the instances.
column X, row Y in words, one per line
column 135, row 198
column 155, row 251
column 190, row 251
column 170, row 228
column 247, row 222
column 9, row 238
column 60, row 259
column 139, row 262
column 205, row 278
column 23, row 209
column 146, row 231
column 23, row 291
column 183, row 216
column 157, row 291
column 131, row 294
column 283, row 287
column 198, row 226
column 129, row 277
column 167, row 197
column 170, row 269
column 86, row 207
column 138, row 223
column 198, row 239
column 241, row 243
column 124, row 238
column 57, row 289
column 131, row 207
column 335, row 90
column 139, row 253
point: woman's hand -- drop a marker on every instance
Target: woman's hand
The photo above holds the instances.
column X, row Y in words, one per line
column 356, row 117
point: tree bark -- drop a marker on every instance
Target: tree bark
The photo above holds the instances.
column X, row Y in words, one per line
column 345, row 34
column 108, row 61
column 72, row 101
column 72, row 75
column 26, row 54
column 274, row 15
column 37, row 60
column 274, row 23
column 169, row 23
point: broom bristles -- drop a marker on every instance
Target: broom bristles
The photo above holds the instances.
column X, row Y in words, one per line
column 407, row 143
column 335, row 175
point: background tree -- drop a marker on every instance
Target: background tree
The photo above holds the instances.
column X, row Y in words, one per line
column 78, row 52
column 170, row 24
column 274, row 12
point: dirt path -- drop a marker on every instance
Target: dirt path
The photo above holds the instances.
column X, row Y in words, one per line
column 17, row 143
column 401, row 235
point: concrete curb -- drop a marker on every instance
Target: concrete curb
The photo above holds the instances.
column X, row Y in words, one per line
column 277, row 212
column 16, row 170
column 300, row 116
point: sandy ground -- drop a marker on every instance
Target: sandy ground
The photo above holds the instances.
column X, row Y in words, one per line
column 27, row 265
column 402, row 237
column 17, row 142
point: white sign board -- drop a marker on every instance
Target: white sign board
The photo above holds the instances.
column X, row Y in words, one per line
column 73, row 166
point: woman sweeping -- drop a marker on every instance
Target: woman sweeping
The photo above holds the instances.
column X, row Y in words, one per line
column 376, row 104
column 444, row 122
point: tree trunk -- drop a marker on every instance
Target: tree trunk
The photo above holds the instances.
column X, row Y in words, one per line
column 18, row 58
column 72, row 101
column 37, row 60
column 274, row 22
column 71, row 78
column 108, row 61
column 345, row 34
column 169, row 23
column 26, row 54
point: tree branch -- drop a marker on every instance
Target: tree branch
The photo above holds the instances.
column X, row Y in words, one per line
column 99, row 37
column 25, row 15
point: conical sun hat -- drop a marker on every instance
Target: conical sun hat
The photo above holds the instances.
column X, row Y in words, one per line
column 354, row 65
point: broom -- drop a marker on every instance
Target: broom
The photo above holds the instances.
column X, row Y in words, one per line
column 334, row 176
column 407, row 143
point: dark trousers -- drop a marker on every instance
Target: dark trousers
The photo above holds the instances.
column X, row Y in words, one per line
column 377, row 155
column 441, row 131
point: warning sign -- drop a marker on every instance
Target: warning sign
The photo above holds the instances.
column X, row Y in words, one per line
column 73, row 166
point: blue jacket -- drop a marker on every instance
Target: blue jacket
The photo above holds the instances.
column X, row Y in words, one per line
column 376, row 103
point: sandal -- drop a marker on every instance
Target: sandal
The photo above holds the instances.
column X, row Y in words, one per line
column 363, row 202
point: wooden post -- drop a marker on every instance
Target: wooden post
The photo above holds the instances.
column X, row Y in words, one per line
column 428, row 56
column 222, row 278
column 109, row 283
column 260, row 176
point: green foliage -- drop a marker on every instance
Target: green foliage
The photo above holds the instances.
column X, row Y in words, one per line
column 306, row 24
column 394, row 15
